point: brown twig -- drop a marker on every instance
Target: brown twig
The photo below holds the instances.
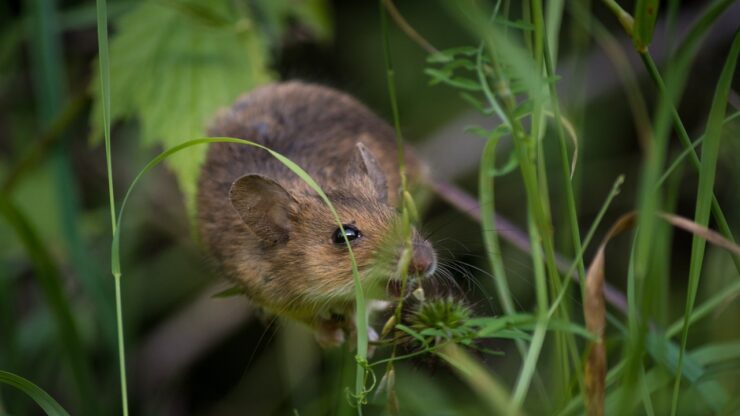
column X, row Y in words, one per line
column 407, row 29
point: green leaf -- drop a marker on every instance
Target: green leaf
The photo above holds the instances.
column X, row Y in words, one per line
column 478, row 104
column 172, row 65
column 450, row 54
column 646, row 11
column 446, row 77
column 414, row 334
column 50, row 406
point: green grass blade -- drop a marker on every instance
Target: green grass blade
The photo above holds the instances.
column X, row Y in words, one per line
column 104, row 68
column 690, row 150
column 488, row 226
column 42, row 398
column 101, row 9
column 706, row 308
column 489, row 388
column 646, row 12
column 50, row 281
column 710, row 153
column 616, row 189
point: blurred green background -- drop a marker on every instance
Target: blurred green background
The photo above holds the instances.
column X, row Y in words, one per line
column 172, row 65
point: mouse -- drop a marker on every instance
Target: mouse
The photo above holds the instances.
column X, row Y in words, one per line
column 275, row 238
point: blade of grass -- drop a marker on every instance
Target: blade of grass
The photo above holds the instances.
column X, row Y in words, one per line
column 705, row 308
column 566, row 168
column 42, row 398
column 488, row 225
column 104, row 70
column 685, row 153
column 710, row 153
column 646, row 12
column 538, row 338
column 616, row 189
column 49, row 278
column 407, row 204
column 490, row 390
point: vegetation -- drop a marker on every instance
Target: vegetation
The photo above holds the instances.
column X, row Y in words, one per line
column 608, row 131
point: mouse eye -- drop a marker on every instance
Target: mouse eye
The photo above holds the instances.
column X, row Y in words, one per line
column 350, row 230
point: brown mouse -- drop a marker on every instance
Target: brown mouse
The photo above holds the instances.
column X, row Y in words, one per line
column 274, row 236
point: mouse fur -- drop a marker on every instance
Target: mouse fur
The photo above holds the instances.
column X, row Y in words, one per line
column 272, row 234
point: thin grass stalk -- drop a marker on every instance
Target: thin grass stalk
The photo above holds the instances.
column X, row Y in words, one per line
column 492, row 392
column 645, row 392
column 635, row 348
column 565, row 343
column 579, row 110
column 685, row 153
column 486, row 192
column 703, row 310
column 104, row 68
column 488, row 225
column 567, row 184
column 406, row 200
column 553, row 18
column 538, row 338
column 586, row 241
column 710, row 154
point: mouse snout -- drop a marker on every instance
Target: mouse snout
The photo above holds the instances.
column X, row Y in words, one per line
column 423, row 260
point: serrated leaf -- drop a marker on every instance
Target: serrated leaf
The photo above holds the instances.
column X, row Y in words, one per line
column 173, row 64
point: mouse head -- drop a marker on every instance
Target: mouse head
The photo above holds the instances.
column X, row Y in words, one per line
column 305, row 247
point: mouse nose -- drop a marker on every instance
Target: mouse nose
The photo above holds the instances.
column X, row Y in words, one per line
column 423, row 260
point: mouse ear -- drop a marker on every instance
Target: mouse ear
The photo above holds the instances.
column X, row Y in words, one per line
column 365, row 162
column 265, row 207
